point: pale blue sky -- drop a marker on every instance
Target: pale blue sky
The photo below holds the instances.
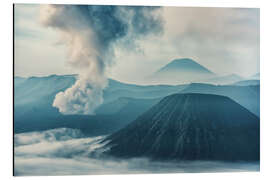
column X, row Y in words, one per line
column 225, row 40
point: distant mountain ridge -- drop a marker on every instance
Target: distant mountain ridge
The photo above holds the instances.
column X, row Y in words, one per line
column 123, row 102
column 247, row 96
column 33, row 98
column 256, row 76
column 247, row 83
column 223, row 80
column 190, row 127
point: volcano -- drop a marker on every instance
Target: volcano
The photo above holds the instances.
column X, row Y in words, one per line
column 180, row 71
column 184, row 65
column 190, row 127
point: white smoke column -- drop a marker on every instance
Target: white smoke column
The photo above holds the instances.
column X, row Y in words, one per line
column 86, row 94
column 90, row 33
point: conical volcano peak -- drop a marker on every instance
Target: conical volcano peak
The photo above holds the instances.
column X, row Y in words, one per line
column 190, row 127
column 182, row 61
column 184, row 64
column 180, row 71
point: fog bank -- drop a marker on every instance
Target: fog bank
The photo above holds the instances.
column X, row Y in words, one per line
column 68, row 152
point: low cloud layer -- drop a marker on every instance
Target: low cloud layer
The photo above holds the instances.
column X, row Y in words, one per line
column 68, row 152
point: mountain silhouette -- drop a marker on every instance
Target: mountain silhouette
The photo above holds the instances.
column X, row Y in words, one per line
column 180, row 71
column 184, row 65
column 190, row 127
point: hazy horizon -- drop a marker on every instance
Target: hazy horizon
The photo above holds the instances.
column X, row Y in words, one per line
column 224, row 40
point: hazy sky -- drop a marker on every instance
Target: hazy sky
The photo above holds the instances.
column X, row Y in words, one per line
column 225, row 40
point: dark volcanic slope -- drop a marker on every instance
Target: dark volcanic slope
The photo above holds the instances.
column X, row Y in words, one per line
column 190, row 127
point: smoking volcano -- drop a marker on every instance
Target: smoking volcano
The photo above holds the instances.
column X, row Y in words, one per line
column 190, row 127
column 91, row 33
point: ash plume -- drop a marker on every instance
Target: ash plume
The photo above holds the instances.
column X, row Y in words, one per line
column 91, row 33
